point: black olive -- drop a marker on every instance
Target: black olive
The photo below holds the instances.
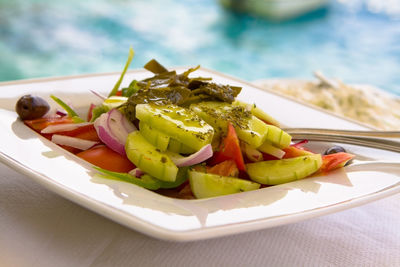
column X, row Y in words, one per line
column 31, row 107
column 334, row 149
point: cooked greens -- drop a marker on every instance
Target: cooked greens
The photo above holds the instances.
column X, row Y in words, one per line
column 168, row 87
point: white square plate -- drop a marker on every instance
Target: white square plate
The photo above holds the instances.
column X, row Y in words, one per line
column 183, row 220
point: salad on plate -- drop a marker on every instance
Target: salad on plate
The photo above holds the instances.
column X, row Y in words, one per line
column 179, row 135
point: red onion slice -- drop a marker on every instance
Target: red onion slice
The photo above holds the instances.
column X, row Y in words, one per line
column 102, row 97
column 203, row 154
column 251, row 153
column 61, row 113
column 111, row 130
column 128, row 125
column 72, row 141
column 272, row 150
column 136, row 172
column 55, row 113
column 120, row 126
column 106, row 136
column 63, row 127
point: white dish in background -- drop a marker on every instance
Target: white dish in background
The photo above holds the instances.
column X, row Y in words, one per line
column 185, row 220
column 275, row 9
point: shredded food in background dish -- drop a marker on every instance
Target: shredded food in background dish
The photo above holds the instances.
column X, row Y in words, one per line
column 363, row 103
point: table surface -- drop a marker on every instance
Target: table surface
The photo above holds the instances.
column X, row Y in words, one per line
column 40, row 228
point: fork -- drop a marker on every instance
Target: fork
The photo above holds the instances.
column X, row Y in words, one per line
column 375, row 139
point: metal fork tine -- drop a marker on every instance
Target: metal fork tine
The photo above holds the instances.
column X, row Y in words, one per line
column 383, row 134
column 380, row 143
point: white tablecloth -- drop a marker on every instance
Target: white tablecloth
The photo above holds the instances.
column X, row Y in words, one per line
column 40, row 228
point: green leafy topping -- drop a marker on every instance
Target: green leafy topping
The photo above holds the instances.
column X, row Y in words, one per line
column 131, row 89
column 145, row 181
column 168, row 87
column 181, row 177
column 97, row 111
column 75, row 117
column 128, row 62
column 155, row 67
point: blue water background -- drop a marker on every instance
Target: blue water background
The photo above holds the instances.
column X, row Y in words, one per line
column 348, row 39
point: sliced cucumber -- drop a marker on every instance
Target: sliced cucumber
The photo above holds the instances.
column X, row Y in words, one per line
column 149, row 159
column 278, row 137
column 281, row 171
column 157, row 138
column 259, row 113
column 256, row 134
column 268, row 148
column 178, row 147
column 249, row 128
column 177, row 122
column 205, row 185
column 181, row 177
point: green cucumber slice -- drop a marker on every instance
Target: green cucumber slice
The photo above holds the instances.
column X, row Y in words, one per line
column 205, row 185
column 278, row 137
column 273, row 172
column 268, row 148
column 155, row 137
column 259, row 113
column 178, row 147
column 181, row 177
column 249, row 128
column 149, row 159
column 178, row 123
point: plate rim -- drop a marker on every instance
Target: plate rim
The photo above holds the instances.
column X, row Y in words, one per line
column 130, row 71
column 211, row 232
column 155, row 231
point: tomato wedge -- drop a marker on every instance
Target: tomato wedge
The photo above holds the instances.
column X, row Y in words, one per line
column 41, row 123
column 333, row 161
column 295, row 151
column 107, row 158
column 87, row 132
column 225, row 168
column 229, row 150
column 90, row 111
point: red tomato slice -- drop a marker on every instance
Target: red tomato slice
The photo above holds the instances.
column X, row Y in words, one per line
column 229, row 150
column 87, row 132
column 268, row 157
column 71, row 149
column 106, row 158
column 295, row 151
column 89, row 115
column 334, row 161
column 225, row 168
column 41, row 123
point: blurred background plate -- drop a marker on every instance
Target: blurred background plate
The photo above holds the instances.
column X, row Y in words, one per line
column 357, row 41
column 275, row 9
